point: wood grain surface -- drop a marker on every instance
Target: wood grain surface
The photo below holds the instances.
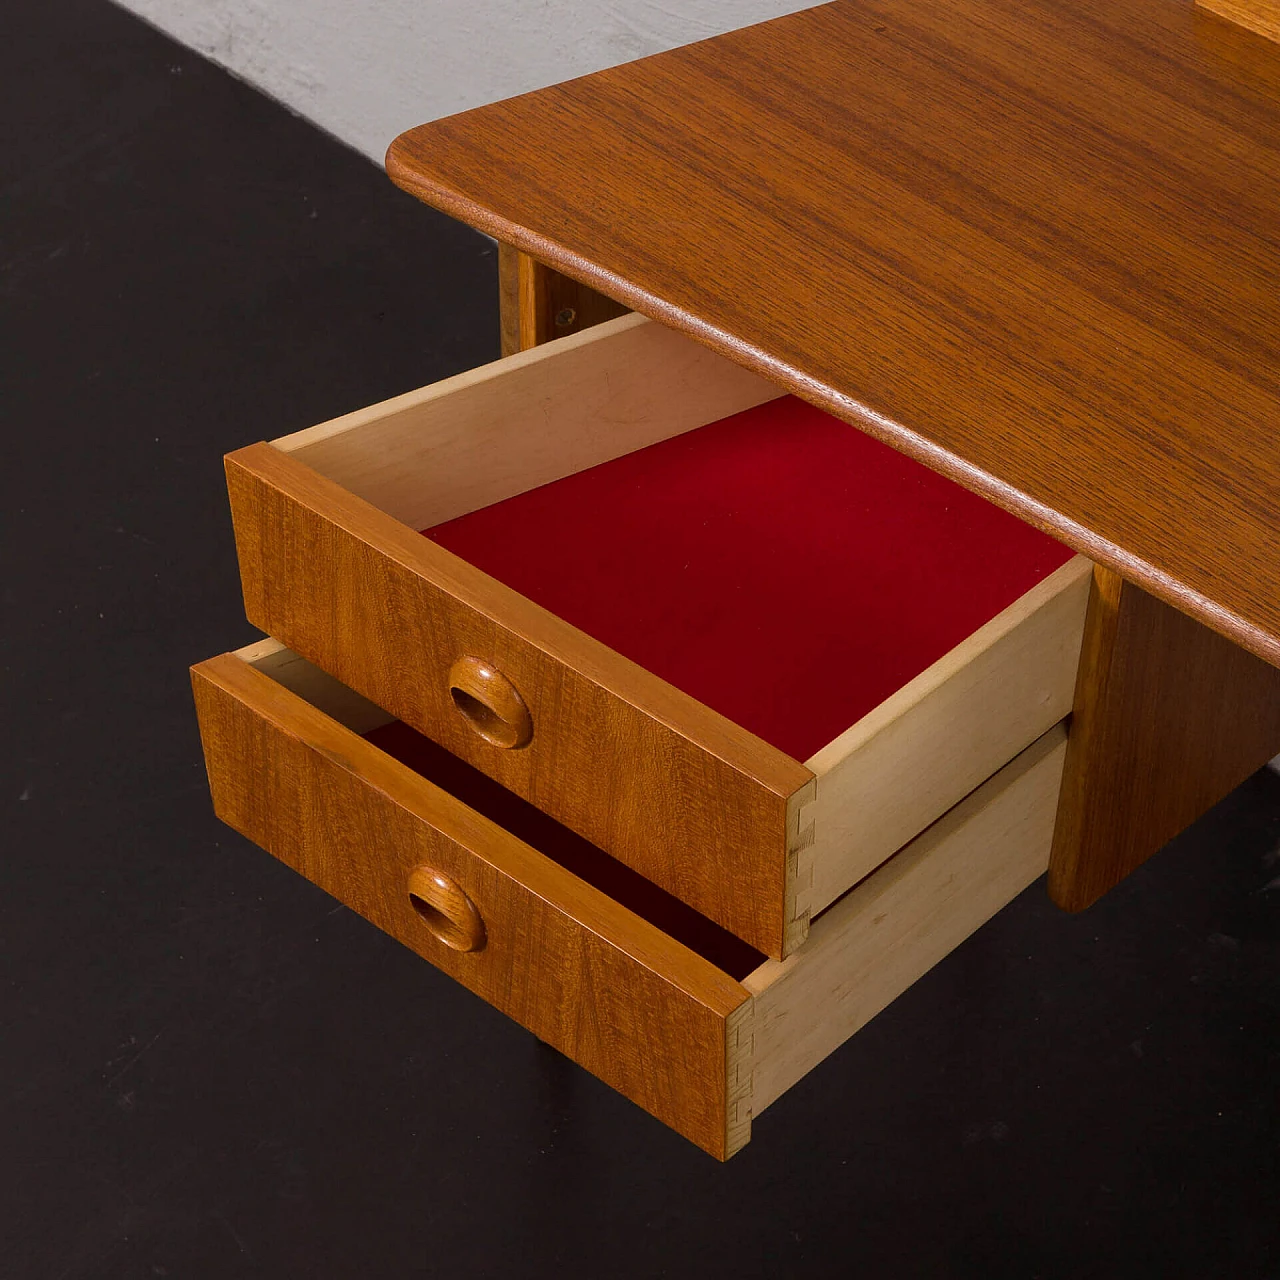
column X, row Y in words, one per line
column 642, row 770
column 1169, row 717
column 1261, row 16
column 1034, row 244
column 639, row 1010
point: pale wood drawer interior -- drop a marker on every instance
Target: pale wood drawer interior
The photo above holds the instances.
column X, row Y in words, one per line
column 679, row 1015
column 857, row 642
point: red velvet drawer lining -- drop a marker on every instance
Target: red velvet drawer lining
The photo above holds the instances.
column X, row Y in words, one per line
column 779, row 565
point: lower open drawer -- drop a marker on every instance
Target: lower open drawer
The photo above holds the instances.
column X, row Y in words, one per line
column 673, row 1011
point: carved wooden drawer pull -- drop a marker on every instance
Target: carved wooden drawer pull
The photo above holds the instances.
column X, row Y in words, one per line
column 448, row 912
column 490, row 702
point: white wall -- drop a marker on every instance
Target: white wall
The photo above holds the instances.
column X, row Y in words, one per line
column 366, row 70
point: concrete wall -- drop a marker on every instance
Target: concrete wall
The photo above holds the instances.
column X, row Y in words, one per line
column 365, row 71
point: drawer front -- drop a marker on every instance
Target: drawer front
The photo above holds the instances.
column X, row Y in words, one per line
column 647, row 1015
column 666, row 785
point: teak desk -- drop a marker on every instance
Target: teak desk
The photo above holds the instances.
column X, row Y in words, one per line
column 1031, row 245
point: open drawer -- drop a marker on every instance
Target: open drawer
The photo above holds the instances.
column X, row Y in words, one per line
column 747, row 650
column 670, row 1009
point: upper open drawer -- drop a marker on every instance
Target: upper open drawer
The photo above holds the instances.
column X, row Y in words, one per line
column 745, row 649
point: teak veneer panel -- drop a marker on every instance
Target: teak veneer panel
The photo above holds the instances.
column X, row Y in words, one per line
column 1035, row 245
column 1169, row 717
column 639, row 1010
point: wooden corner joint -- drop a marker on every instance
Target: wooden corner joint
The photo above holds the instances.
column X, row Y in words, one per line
column 801, row 850
column 739, row 1055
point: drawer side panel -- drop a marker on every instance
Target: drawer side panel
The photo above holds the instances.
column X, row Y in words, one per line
column 894, row 927
column 927, row 747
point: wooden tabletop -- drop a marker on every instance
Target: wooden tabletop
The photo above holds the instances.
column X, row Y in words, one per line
column 1034, row 243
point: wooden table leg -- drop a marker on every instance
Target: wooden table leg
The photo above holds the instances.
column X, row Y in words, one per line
column 538, row 304
column 1169, row 717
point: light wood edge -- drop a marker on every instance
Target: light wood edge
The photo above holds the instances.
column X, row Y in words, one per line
column 446, row 388
column 261, row 651
column 931, row 896
column 1035, row 641
column 1077, row 570
column 1259, row 16
column 524, row 421
column 316, row 687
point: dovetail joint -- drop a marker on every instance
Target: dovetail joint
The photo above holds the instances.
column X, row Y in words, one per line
column 801, row 851
column 739, row 1057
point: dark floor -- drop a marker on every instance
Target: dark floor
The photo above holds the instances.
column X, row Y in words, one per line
column 209, row 1069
